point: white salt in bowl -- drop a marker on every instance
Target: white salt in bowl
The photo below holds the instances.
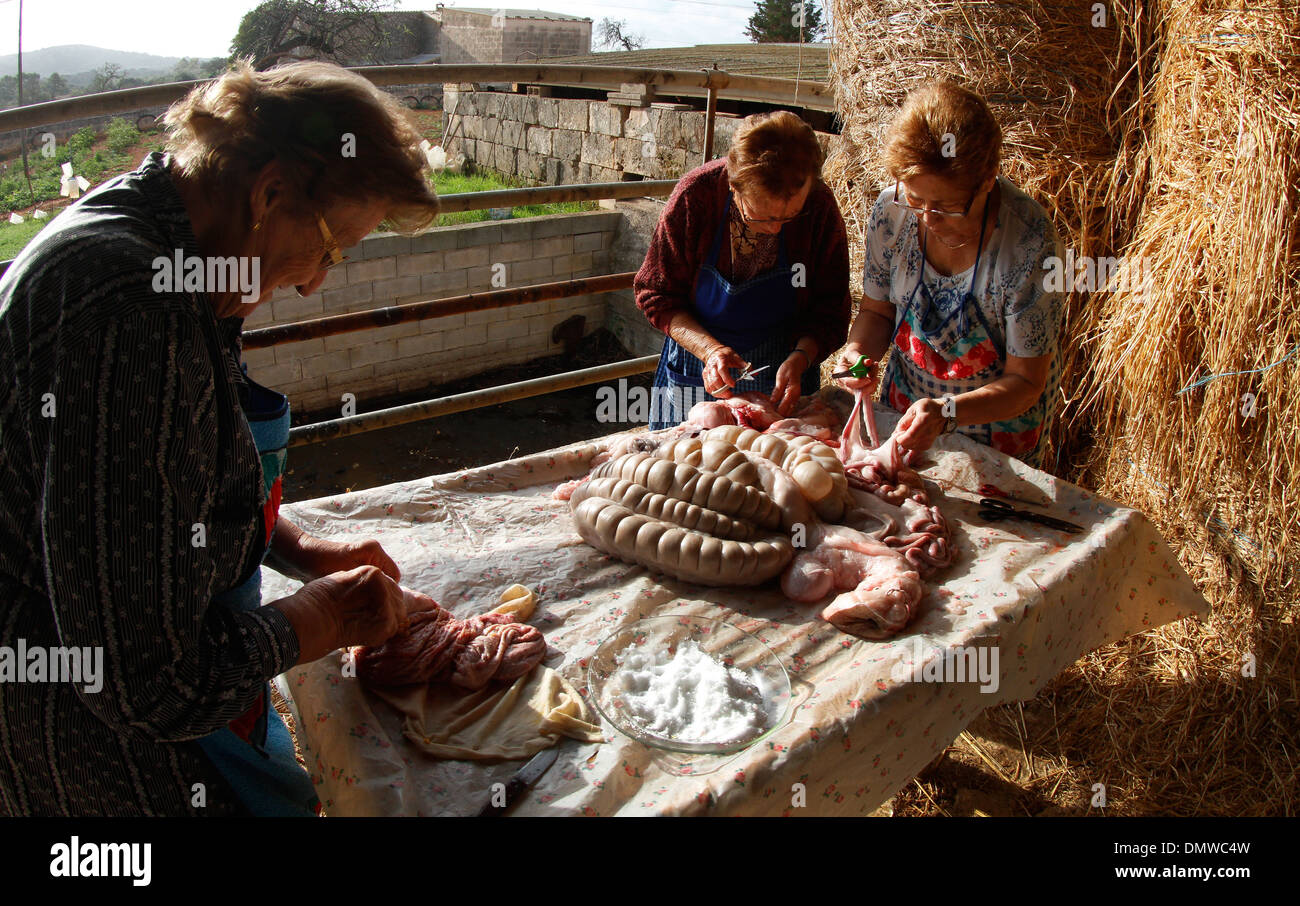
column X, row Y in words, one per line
column 636, row 683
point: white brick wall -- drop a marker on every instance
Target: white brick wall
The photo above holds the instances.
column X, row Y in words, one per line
column 387, row 270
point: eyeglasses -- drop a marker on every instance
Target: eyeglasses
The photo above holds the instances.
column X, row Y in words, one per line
column 952, row 214
column 333, row 256
column 778, row 221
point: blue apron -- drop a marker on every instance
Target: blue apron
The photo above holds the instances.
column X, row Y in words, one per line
column 753, row 318
column 255, row 752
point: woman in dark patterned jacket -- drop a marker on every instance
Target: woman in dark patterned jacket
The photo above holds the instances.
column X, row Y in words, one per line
column 139, row 468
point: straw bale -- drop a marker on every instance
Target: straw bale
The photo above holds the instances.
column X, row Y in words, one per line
column 1202, row 187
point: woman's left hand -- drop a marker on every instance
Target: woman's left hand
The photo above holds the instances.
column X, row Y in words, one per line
column 920, row 425
column 788, row 380
column 323, row 557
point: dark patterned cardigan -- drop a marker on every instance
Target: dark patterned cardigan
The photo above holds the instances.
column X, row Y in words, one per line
column 121, row 430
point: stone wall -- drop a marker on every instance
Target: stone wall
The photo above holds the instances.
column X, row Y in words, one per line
column 424, row 96
column 468, row 38
column 554, row 141
column 479, row 37
column 387, row 269
column 533, row 39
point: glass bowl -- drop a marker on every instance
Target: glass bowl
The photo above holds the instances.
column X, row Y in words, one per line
column 722, row 642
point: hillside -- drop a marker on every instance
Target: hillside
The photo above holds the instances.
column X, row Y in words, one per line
column 77, row 62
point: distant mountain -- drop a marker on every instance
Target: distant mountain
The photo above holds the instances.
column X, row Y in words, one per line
column 75, row 61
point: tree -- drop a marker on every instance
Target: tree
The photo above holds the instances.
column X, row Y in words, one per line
column 337, row 30
column 8, row 92
column 107, row 78
column 33, row 91
column 614, row 35
column 777, row 21
column 57, row 86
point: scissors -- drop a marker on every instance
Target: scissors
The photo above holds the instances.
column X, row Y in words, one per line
column 749, row 372
column 993, row 510
column 860, row 369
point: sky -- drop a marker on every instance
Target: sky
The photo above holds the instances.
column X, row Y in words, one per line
column 204, row 28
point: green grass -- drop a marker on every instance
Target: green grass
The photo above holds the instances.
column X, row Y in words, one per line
column 457, row 183
column 13, row 237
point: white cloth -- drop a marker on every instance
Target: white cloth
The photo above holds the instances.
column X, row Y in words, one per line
column 858, row 733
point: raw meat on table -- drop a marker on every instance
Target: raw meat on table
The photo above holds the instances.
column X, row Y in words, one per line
column 469, row 653
column 714, row 500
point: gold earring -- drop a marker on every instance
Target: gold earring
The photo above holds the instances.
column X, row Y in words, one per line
column 257, row 226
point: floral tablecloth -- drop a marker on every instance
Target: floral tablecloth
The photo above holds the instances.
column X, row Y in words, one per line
column 868, row 716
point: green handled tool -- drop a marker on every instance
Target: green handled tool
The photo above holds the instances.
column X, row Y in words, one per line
column 863, row 367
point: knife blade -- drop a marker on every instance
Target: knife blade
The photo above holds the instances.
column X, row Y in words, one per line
column 520, row 783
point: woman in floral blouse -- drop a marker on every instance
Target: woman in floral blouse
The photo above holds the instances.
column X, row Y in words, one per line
column 954, row 282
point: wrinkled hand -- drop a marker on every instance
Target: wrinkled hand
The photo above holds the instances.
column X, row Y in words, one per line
column 324, row 557
column 788, row 380
column 920, row 425
column 718, row 362
column 417, row 601
column 847, row 360
column 361, row 606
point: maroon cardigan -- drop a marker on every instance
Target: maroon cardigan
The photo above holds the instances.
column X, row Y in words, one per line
column 666, row 282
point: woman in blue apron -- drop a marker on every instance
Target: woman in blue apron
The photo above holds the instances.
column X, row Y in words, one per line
column 254, row 752
column 954, row 284
column 751, row 321
column 747, row 270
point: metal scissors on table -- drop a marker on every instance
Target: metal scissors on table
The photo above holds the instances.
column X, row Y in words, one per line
column 993, row 510
column 859, row 369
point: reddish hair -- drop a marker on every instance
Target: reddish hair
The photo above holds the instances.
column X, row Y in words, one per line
column 774, row 152
column 944, row 130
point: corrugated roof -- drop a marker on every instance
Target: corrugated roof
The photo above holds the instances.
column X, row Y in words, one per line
column 810, row 61
column 516, row 13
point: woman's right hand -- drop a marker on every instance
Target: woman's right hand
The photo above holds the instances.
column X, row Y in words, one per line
column 848, row 358
column 718, row 363
column 362, row 606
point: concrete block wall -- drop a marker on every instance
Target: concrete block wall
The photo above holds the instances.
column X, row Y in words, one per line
column 12, row 142
column 557, row 141
column 388, row 269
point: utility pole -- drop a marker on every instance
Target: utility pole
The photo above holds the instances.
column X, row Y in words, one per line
column 26, row 169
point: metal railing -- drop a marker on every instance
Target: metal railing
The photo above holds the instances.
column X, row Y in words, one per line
column 708, row 83
column 434, row 308
column 687, row 83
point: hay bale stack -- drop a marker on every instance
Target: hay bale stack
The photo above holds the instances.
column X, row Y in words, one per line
column 1203, row 192
column 1215, row 466
column 1219, row 235
column 1059, row 84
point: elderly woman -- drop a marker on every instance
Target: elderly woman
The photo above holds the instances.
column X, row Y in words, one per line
column 954, row 281
column 748, row 267
column 139, row 476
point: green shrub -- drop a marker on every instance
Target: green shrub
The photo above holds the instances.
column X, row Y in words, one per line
column 121, row 135
column 78, row 146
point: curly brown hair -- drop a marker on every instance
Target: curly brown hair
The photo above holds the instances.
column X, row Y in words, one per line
column 943, row 129
column 307, row 116
column 775, row 152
